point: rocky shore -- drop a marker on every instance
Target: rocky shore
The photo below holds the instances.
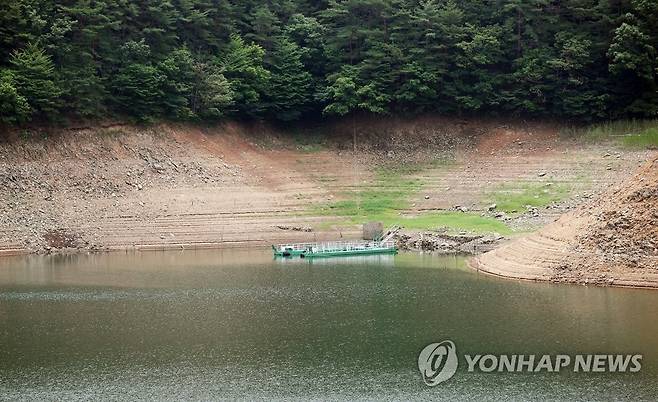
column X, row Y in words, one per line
column 443, row 243
column 611, row 240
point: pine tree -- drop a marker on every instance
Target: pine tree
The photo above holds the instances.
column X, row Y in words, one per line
column 14, row 108
column 178, row 79
column 264, row 27
column 576, row 59
column 242, row 65
column 633, row 63
column 36, row 80
column 212, row 95
column 138, row 84
column 289, row 87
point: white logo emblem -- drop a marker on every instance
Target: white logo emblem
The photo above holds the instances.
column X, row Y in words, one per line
column 438, row 362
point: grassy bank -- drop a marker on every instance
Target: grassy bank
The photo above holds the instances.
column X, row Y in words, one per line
column 648, row 139
column 517, row 197
column 386, row 199
column 632, row 133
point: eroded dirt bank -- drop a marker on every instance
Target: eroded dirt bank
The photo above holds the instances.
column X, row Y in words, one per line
column 182, row 186
column 612, row 240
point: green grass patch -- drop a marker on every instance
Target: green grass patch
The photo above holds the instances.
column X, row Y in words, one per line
column 645, row 140
column 388, row 195
column 453, row 221
column 616, row 131
column 389, row 192
column 515, row 197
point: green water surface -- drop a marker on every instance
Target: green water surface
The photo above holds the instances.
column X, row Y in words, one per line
column 210, row 325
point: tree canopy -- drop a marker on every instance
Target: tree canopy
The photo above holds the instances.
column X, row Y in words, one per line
column 285, row 60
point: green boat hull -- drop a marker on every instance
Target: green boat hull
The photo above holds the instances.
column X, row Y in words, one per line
column 340, row 253
column 333, row 249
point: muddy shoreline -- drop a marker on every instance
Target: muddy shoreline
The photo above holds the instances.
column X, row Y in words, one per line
column 412, row 241
column 472, row 263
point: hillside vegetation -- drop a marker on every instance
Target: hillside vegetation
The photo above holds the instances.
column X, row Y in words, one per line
column 283, row 60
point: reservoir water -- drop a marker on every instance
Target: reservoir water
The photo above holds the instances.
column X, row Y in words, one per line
column 236, row 324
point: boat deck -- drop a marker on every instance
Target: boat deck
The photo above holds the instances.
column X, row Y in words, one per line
column 331, row 249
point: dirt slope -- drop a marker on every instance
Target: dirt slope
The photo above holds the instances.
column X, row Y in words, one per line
column 612, row 240
column 183, row 186
column 166, row 186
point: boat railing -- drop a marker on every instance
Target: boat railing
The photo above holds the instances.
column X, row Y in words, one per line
column 295, row 246
column 336, row 245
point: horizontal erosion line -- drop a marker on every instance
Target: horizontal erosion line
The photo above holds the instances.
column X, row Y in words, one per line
column 206, row 214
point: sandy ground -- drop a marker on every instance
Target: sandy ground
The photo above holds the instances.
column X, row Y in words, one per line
column 180, row 186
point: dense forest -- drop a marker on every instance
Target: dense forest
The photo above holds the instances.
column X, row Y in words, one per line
column 287, row 59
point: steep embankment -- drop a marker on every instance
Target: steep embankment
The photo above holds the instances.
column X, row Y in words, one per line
column 612, row 240
column 182, row 186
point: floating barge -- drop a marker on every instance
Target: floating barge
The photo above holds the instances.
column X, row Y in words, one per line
column 334, row 249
